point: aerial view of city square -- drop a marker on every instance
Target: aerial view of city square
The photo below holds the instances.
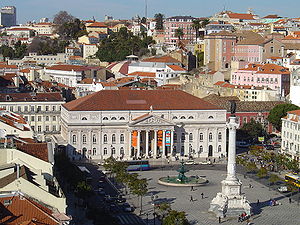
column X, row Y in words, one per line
column 149, row 112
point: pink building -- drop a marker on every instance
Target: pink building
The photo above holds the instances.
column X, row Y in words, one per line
column 268, row 75
column 183, row 22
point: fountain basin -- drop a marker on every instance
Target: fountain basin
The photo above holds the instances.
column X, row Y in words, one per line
column 189, row 181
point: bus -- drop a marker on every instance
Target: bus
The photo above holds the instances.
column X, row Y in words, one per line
column 138, row 165
column 292, row 179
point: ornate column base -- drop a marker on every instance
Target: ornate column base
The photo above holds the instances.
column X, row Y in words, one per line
column 231, row 202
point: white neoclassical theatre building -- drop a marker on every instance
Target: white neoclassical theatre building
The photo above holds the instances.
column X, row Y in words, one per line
column 130, row 124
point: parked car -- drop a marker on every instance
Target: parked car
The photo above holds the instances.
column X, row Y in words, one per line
column 283, row 189
column 206, row 163
column 127, row 207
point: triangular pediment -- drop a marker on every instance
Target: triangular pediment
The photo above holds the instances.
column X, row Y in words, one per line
column 150, row 120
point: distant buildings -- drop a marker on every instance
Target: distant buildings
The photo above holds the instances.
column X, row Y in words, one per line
column 8, row 16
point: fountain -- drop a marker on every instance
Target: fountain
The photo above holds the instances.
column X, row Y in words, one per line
column 181, row 180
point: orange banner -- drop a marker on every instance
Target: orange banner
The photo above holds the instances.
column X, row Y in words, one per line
column 134, row 135
column 159, row 138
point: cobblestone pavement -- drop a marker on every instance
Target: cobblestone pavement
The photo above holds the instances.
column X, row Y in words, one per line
column 197, row 210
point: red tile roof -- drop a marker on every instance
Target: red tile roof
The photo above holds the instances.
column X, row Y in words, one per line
column 295, row 112
column 267, row 69
column 97, row 24
column 107, row 100
column 21, row 210
column 67, row 67
column 162, row 59
column 38, row 150
column 3, row 66
column 38, row 97
column 176, row 68
column 242, row 16
column 142, row 74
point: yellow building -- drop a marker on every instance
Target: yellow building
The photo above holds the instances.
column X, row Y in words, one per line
column 98, row 27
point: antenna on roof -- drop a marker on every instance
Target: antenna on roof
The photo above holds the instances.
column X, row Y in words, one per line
column 151, row 108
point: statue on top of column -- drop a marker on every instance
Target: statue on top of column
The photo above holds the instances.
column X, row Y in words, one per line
column 232, row 107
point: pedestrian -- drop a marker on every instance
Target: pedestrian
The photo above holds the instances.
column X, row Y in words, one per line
column 219, row 219
column 290, row 200
column 191, row 199
column 257, row 202
column 192, row 188
column 202, row 195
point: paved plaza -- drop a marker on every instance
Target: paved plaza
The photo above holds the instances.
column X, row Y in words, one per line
column 197, row 210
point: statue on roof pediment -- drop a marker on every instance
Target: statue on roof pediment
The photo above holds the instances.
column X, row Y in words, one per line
column 150, row 119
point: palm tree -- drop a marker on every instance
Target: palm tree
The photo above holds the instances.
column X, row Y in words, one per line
column 179, row 33
column 204, row 23
column 196, row 25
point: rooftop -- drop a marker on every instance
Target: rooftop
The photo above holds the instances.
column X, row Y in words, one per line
column 31, row 97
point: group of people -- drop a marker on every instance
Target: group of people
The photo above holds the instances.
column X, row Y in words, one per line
column 243, row 217
column 273, row 202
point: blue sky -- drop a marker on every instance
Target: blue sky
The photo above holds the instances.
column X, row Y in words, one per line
column 28, row 10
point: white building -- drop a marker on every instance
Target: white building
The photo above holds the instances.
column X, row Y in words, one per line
column 290, row 135
column 127, row 124
column 20, row 32
column 89, row 50
column 40, row 110
column 295, row 87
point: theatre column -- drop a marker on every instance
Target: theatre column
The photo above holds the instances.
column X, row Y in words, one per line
column 147, row 143
column 164, row 144
column 138, row 144
column 128, row 153
column 172, row 142
column 155, row 144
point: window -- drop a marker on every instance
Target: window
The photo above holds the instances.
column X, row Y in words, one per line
column 47, row 108
column 113, row 151
column 54, row 118
column 94, row 139
column 191, row 137
column 183, row 117
column 201, row 137
column 200, row 149
column 47, row 118
column 105, row 118
column 191, row 117
column 122, row 151
column 54, row 128
column 53, row 108
column 113, row 138
column 94, row 151
column 84, row 118
column 19, row 108
column 122, row 118
column 105, row 139
column 219, row 148
column 219, row 136
column 210, row 117
column 39, row 108
column 84, row 139
column 39, row 118
column 105, row 151
column 210, row 137
column 175, row 117
column 39, row 129
column 32, row 118
column 25, row 108
column 47, row 128
column 113, row 118
column 122, row 138
column 182, row 137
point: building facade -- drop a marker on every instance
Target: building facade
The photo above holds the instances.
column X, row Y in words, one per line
column 129, row 124
column 290, row 134
column 8, row 16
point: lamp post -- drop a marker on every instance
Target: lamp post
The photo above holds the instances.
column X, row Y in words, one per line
column 153, row 197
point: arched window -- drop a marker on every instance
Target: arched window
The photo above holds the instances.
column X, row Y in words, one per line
column 210, row 137
column 122, row 118
column 219, row 136
column 200, row 149
column 105, row 139
column 84, row 118
column 113, row 139
column 84, row 139
column 105, row 151
column 219, row 148
column 74, row 139
column 113, row 151
column 182, row 118
column 191, row 137
column 201, row 137
column 175, row 117
column 121, row 151
column 105, row 118
column 191, row 117
column 210, row 117
column 94, row 151
column 113, row 118
column 94, row 139
column 122, row 138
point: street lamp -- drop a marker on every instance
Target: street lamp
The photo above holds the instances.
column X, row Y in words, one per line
column 153, row 197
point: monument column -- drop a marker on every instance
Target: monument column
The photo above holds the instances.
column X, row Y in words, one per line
column 231, row 166
column 128, row 154
column 164, row 144
column 147, row 143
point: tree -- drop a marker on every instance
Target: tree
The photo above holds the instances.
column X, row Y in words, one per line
column 273, row 179
column 251, row 167
column 278, row 112
column 139, row 187
column 144, row 20
column 262, row 172
column 196, row 25
column 179, row 33
column 175, row 218
column 46, row 46
column 253, row 129
column 63, row 17
column 7, row 51
column 159, row 19
column 20, row 50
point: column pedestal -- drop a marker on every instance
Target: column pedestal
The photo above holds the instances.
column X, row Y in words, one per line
column 231, row 201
